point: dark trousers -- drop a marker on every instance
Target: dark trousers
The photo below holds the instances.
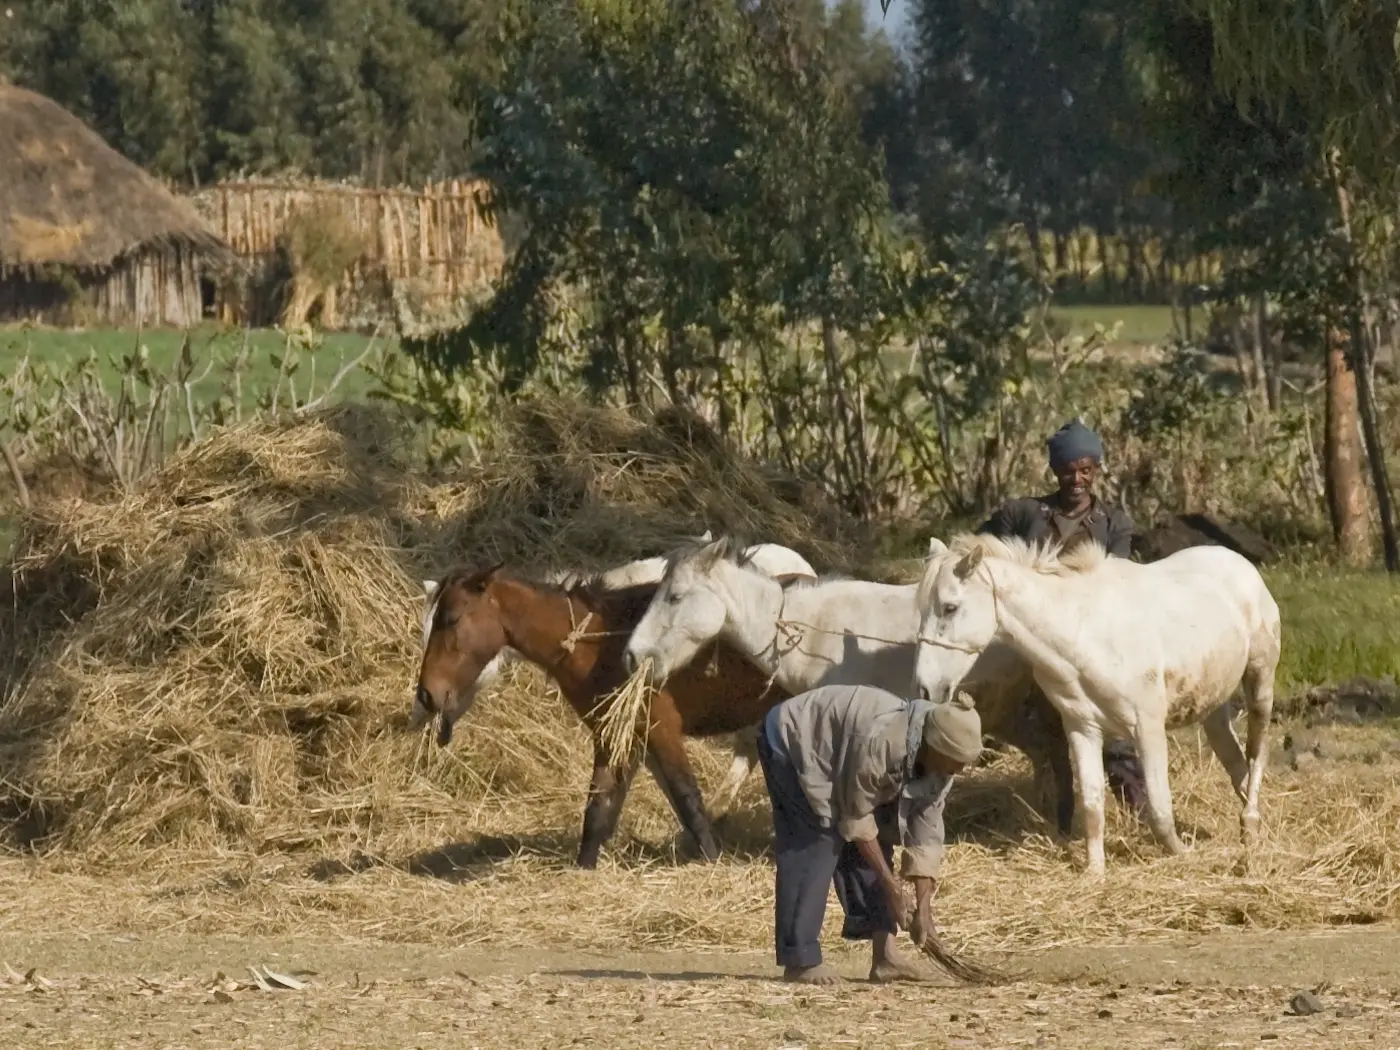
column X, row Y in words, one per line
column 809, row 858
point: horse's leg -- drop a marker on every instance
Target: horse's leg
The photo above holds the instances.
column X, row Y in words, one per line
column 745, row 756
column 1086, row 754
column 606, row 793
column 1220, row 734
column 1060, row 757
column 670, row 765
column 1259, row 702
column 1151, row 739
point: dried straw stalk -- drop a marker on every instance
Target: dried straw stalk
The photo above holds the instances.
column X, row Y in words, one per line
column 624, row 717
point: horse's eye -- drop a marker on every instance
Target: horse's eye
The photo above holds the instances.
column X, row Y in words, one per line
column 949, row 608
column 673, row 598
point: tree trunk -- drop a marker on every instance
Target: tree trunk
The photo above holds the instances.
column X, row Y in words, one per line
column 1269, row 351
column 1133, row 278
column 1263, row 374
column 1033, row 235
column 1361, row 363
column 1345, row 485
column 1248, row 375
column 1361, row 360
column 1105, row 265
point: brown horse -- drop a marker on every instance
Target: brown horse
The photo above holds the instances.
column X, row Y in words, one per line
column 578, row 637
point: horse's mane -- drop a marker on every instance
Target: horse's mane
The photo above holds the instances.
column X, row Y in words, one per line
column 732, row 549
column 726, row 548
column 807, row 582
column 588, row 585
column 1043, row 558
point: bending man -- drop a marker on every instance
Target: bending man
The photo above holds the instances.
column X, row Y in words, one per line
column 849, row 770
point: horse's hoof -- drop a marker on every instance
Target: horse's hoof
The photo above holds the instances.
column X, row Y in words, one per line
column 1249, row 830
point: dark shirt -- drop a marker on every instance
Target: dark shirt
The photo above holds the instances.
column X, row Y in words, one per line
column 1035, row 521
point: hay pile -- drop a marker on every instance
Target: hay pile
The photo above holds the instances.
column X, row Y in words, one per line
column 566, row 488
column 224, row 658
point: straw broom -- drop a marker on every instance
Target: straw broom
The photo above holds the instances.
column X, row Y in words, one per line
column 964, row 970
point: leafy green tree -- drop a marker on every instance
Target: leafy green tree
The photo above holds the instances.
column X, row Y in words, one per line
column 695, row 170
column 1030, row 98
column 379, row 89
column 98, row 59
column 1333, row 66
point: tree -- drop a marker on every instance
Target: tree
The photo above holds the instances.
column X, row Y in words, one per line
column 1333, row 64
column 1251, row 187
column 1035, row 93
column 691, row 167
column 378, row 89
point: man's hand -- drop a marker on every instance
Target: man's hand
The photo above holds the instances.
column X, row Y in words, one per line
column 901, row 905
column 901, row 908
column 921, row 928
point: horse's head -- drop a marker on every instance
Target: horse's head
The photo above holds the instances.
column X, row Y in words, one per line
column 690, row 608
column 463, row 635
column 957, row 618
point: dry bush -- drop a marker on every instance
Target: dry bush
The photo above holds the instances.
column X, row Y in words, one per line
column 564, row 488
column 323, row 243
column 223, row 657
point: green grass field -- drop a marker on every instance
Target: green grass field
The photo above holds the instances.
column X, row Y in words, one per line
column 1143, row 325
column 57, row 347
column 1336, row 625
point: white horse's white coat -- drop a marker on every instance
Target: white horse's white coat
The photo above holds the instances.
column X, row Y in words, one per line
column 1120, row 649
column 770, row 558
column 804, row 635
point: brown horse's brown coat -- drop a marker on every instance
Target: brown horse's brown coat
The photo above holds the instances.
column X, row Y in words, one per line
column 480, row 613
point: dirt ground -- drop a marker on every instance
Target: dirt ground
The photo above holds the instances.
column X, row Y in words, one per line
column 172, row 990
column 510, row 946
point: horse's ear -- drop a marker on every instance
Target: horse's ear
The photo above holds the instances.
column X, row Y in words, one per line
column 481, row 579
column 968, row 565
column 936, row 547
column 713, row 551
column 707, row 536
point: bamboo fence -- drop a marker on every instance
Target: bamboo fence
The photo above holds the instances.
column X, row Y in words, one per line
column 437, row 239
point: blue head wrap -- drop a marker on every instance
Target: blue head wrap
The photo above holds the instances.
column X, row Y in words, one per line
column 1074, row 441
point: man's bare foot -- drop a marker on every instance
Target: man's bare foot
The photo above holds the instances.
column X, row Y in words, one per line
column 819, row 974
column 890, row 964
column 902, row 970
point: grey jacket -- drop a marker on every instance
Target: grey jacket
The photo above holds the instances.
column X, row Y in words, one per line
column 1032, row 520
column 849, row 746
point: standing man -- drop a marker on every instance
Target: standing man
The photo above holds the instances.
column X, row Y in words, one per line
column 1071, row 514
column 849, row 769
column 1065, row 518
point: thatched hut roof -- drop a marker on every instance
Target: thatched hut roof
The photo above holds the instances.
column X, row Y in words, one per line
column 67, row 198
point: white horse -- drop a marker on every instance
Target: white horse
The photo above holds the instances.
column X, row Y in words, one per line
column 833, row 631
column 1120, row 649
column 769, row 558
